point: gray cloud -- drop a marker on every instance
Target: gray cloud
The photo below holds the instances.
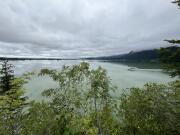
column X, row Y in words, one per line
column 79, row 28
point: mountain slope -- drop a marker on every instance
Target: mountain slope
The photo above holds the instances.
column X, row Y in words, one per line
column 145, row 55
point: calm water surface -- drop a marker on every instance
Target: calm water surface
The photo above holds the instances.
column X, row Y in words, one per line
column 120, row 73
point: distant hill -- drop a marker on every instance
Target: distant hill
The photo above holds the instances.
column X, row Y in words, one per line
column 25, row 58
column 142, row 56
column 145, row 55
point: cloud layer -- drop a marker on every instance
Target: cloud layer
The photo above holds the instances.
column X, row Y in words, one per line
column 83, row 28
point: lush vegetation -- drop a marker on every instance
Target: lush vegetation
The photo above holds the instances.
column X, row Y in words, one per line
column 170, row 60
column 139, row 56
column 12, row 100
column 85, row 104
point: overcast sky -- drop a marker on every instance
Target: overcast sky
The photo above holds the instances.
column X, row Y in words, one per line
column 83, row 28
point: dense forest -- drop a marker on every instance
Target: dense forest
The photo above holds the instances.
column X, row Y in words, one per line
column 139, row 56
column 84, row 103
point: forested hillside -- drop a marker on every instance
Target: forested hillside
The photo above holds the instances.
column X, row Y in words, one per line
column 145, row 55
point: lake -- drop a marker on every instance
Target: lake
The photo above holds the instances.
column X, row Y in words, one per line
column 123, row 75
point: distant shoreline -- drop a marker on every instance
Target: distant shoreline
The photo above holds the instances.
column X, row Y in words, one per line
column 144, row 55
column 22, row 59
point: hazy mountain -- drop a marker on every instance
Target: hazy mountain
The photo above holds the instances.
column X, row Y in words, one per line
column 144, row 55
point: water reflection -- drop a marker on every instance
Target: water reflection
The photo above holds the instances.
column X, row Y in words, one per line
column 120, row 74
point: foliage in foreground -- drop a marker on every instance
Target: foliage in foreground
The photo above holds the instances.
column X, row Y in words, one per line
column 152, row 110
column 78, row 109
column 83, row 105
column 12, row 100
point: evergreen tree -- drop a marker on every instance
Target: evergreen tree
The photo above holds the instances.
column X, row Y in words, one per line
column 177, row 41
column 170, row 59
column 12, row 100
column 6, row 77
column 177, row 2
